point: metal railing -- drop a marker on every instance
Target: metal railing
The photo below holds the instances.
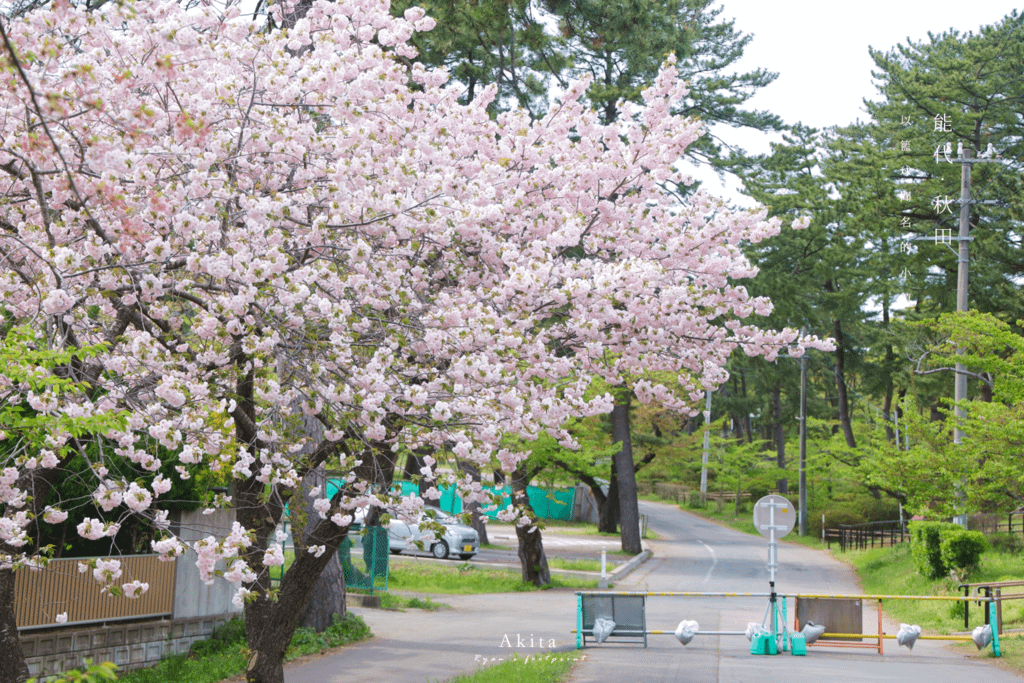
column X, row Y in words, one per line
column 890, row 532
column 41, row 595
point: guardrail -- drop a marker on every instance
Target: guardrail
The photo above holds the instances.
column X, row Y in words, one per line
column 40, row 595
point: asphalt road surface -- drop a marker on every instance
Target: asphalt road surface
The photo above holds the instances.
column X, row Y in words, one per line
column 692, row 555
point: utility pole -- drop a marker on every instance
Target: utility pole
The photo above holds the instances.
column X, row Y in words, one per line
column 963, row 253
column 960, row 387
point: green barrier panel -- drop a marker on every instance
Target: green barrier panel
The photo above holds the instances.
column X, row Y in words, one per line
column 369, row 569
column 547, row 503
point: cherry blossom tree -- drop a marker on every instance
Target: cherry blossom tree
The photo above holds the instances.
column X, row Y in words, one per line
column 228, row 230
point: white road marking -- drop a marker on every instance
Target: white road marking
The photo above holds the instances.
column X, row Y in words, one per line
column 714, row 561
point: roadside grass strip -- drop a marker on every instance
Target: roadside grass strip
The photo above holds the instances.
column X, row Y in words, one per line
column 892, row 569
column 225, row 654
column 389, row 600
column 546, row 668
column 467, row 579
column 582, row 564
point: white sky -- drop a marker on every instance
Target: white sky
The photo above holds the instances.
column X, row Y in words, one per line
column 820, row 50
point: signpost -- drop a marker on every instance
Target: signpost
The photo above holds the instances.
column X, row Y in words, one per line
column 774, row 517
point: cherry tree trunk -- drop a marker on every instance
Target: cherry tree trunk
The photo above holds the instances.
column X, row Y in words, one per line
column 271, row 623
column 328, row 598
column 625, row 474
column 608, row 509
column 13, row 668
column 532, row 558
column 477, row 520
column 12, row 659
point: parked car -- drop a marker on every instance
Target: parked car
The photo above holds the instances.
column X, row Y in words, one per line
column 457, row 539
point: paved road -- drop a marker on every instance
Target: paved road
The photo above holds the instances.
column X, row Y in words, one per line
column 692, row 555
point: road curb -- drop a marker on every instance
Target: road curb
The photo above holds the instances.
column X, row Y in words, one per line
column 624, row 570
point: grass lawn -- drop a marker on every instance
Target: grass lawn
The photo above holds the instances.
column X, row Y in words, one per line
column 582, row 564
column 389, row 600
column 466, row 579
column 561, row 526
column 892, row 571
column 545, row 668
column 225, row 654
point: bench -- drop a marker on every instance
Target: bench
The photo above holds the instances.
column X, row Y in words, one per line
column 627, row 611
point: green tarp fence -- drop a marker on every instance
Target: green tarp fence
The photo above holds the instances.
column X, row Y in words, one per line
column 547, row 503
column 368, row 567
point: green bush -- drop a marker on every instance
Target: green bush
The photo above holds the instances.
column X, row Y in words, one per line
column 858, row 510
column 926, row 547
column 227, row 636
column 1008, row 544
column 961, row 549
column 93, row 673
column 938, row 547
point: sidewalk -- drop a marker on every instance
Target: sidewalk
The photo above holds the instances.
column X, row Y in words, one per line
column 419, row 646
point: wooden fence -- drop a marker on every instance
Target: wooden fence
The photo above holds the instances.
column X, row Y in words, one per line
column 990, row 523
column 39, row 596
column 867, row 535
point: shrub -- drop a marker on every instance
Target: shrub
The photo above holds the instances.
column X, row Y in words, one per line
column 229, row 635
column 926, row 547
column 1009, row 544
column 938, row 547
column 961, row 550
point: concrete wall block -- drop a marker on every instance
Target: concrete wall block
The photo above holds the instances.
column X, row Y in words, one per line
column 130, row 646
column 68, row 662
column 46, row 646
column 155, row 651
column 100, row 638
column 82, row 641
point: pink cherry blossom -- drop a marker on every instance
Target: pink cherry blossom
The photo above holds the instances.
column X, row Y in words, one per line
column 254, row 240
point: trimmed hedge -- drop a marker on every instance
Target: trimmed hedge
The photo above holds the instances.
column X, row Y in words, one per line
column 938, row 547
column 926, row 548
column 962, row 549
